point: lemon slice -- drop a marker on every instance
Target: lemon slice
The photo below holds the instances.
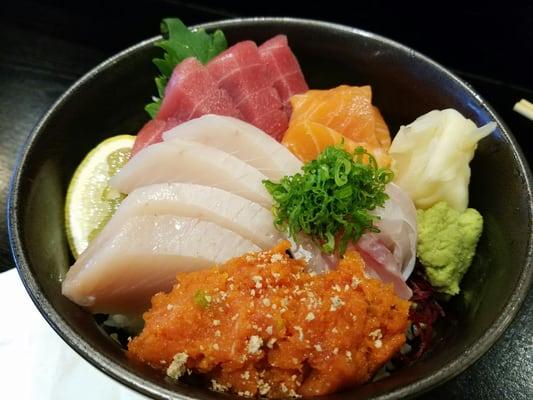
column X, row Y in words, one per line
column 90, row 202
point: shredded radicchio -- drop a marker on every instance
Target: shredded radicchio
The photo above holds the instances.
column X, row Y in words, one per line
column 424, row 313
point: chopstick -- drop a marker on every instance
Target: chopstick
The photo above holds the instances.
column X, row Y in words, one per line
column 525, row 108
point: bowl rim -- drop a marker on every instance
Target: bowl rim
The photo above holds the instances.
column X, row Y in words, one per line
column 136, row 382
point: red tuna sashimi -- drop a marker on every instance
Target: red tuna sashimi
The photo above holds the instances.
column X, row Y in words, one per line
column 282, row 68
column 241, row 72
column 152, row 132
column 191, row 92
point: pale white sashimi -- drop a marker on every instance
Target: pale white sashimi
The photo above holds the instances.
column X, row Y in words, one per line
column 389, row 254
column 240, row 215
column 189, row 162
column 398, row 230
column 241, row 140
column 144, row 256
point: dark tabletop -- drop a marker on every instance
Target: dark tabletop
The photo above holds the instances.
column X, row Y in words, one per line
column 45, row 46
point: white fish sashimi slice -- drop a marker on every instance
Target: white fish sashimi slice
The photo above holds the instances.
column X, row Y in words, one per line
column 240, row 215
column 398, row 229
column 188, row 162
column 143, row 258
column 241, row 140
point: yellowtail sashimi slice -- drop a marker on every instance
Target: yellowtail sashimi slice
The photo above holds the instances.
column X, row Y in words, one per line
column 240, row 139
column 189, row 162
column 143, row 257
column 240, row 215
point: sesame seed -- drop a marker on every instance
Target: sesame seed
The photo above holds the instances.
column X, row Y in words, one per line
column 378, row 343
column 254, row 344
column 218, row 387
column 269, row 330
column 245, row 375
column 300, row 332
column 336, row 350
column 266, row 302
column 270, row 343
column 355, row 282
column 218, row 333
column 318, row 347
column 263, row 387
column 216, row 322
column 170, row 307
column 215, row 346
column 178, row 365
column 257, row 280
column 349, row 355
column 336, row 303
column 310, row 316
column 276, row 258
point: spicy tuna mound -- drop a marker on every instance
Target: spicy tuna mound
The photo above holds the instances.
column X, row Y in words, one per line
column 261, row 325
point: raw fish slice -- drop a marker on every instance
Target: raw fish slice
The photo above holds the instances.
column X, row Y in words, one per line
column 282, row 69
column 240, row 139
column 398, row 229
column 240, row 215
column 390, row 254
column 381, row 264
column 152, row 132
column 143, row 257
column 192, row 92
column 347, row 109
column 308, row 139
column 241, row 72
column 189, row 162
column 381, row 129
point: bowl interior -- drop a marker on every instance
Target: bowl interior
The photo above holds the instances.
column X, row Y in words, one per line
column 110, row 101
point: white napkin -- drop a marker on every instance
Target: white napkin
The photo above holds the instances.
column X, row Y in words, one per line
column 35, row 363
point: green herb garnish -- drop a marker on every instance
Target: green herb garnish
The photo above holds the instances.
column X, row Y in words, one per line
column 201, row 298
column 180, row 42
column 332, row 198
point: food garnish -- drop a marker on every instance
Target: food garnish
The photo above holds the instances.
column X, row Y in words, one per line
column 332, row 198
column 431, row 156
column 90, row 202
column 447, row 241
column 180, row 42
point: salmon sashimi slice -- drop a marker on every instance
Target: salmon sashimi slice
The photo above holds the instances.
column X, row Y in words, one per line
column 283, row 69
column 240, row 71
column 382, row 130
column 347, row 109
column 306, row 140
column 348, row 112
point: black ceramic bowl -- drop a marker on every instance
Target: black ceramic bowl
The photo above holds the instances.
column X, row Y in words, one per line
column 109, row 100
